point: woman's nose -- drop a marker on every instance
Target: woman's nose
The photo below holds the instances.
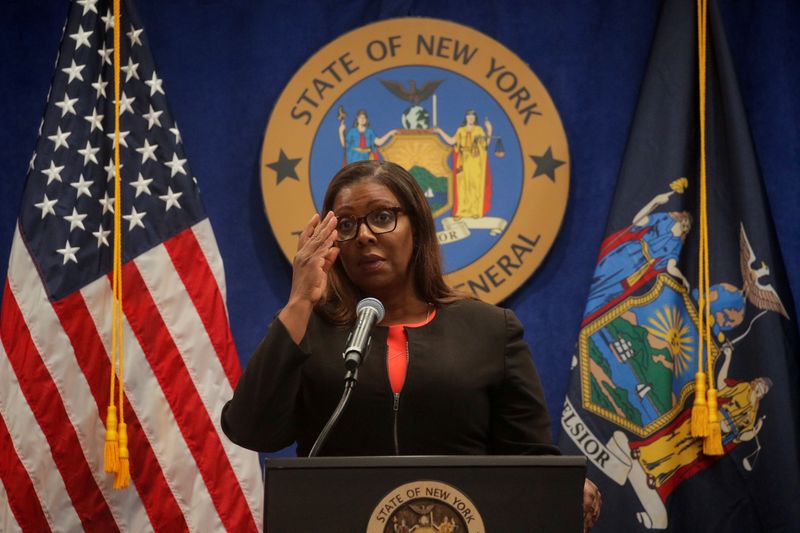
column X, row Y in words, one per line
column 364, row 234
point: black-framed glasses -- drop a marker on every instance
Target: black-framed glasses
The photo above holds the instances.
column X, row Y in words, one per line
column 379, row 221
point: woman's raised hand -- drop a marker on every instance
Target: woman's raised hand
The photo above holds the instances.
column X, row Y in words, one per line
column 314, row 258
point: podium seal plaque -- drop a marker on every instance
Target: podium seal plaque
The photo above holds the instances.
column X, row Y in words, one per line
column 425, row 507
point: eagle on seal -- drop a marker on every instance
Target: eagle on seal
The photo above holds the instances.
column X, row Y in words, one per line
column 412, row 94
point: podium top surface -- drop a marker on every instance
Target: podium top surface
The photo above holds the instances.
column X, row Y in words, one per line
column 427, row 461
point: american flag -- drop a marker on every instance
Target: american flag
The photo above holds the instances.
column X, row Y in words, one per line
column 55, row 324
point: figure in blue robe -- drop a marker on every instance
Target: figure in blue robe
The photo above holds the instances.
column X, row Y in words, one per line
column 636, row 254
column 360, row 142
column 360, row 145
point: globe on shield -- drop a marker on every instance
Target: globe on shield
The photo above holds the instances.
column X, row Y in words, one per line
column 415, row 118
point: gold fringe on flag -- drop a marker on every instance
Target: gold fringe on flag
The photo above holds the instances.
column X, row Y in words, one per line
column 123, row 477
column 111, row 450
column 712, row 444
column 700, row 407
column 705, row 410
column 699, row 426
column 116, row 454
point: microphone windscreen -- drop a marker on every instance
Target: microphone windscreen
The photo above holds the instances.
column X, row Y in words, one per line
column 372, row 303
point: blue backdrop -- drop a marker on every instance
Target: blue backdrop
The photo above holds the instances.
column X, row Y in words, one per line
column 225, row 62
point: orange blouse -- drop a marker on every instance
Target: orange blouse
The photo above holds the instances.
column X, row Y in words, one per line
column 397, row 354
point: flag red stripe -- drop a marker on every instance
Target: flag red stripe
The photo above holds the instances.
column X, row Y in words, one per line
column 159, row 502
column 201, row 285
column 184, row 400
column 47, row 406
column 22, row 497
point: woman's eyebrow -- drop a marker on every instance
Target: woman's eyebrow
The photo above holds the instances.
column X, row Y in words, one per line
column 371, row 205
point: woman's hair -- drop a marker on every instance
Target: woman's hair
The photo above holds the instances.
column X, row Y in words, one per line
column 468, row 113
column 358, row 114
column 681, row 216
column 339, row 303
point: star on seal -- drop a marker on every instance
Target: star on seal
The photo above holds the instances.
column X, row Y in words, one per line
column 285, row 167
column 546, row 164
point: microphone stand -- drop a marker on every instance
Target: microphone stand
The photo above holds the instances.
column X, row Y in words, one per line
column 350, row 380
column 369, row 312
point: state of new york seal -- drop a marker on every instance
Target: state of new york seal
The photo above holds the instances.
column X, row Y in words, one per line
column 470, row 121
column 425, row 506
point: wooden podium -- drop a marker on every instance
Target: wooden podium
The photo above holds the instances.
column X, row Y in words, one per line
column 464, row 494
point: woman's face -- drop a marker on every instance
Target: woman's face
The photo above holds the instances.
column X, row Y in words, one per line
column 376, row 264
column 362, row 119
column 470, row 119
column 682, row 224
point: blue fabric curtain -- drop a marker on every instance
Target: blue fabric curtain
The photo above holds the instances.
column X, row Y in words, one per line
column 224, row 64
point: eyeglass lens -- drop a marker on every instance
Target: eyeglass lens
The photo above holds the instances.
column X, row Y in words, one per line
column 378, row 221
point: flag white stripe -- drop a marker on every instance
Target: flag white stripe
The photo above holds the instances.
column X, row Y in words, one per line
column 59, row 358
column 249, row 474
column 184, row 325
column 246, row 464
column 8, row 523
column 34, row 451
column 155, row 416
column 204, row 234
column 199, row 355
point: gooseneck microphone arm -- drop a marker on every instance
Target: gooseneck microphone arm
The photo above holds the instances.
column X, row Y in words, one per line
column 369, row 312
column 323, row 435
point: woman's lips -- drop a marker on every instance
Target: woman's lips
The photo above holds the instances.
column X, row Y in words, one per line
column 371, row 262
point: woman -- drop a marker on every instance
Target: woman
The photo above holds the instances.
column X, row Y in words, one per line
column 360, row 142
column 430, row 385
column 471, row 176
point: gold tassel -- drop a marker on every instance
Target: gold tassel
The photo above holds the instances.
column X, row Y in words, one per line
column 712, row 444
column 700, row 407
column 111, row 449
column 124, row 473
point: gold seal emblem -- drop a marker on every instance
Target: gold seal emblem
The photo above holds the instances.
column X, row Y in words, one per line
column 425, row 507
column 470, row 121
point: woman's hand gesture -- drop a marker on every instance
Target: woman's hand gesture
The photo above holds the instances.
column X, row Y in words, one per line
column 314, row 258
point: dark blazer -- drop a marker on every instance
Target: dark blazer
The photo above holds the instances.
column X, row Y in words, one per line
column 471, row 388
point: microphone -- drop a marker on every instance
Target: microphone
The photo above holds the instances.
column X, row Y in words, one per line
column 369, row 312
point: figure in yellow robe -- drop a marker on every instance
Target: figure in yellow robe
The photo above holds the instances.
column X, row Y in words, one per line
column 673, row 454
column 471, row 175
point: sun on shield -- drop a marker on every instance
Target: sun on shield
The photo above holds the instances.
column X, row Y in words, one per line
column 425, row 155
column 638, row 360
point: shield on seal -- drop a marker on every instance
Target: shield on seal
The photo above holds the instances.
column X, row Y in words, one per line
column 638, row 360
column 425, row 156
